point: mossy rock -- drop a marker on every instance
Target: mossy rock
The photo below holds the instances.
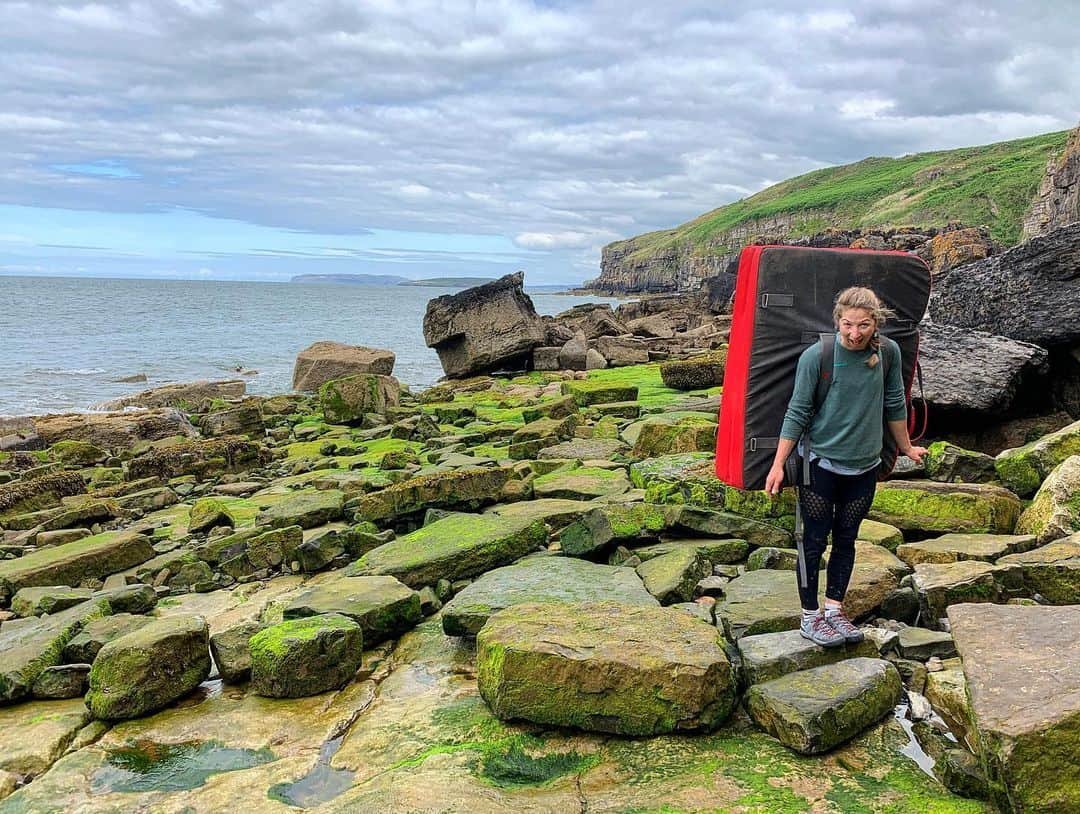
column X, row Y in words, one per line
column 47, row 599
column 459, row 546
column 77, row 453
column 539, row 579
column 1052, row 571
column 605, row 667
column 583, row 483
column 945, row 507
column 771, row 655
column 607, row 526
column 949, row 463
column 1023, row 469
column 671, row 577
column 942, row 585
column 813, row 711
column 467, row 488
column 684, row 478
column 660, row 436
column 22, row 496
column 697, row 373
column 593, row 391
column 346, row 400
column 307, row 656
column 881, row 534
column 1054, row 512
column 202, row 459
column 307, row 509
column 146, row 670
column 955, row 547
column 382, row 606
column 208, row 512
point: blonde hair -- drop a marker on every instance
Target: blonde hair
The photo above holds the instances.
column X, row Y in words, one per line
column 867, row 300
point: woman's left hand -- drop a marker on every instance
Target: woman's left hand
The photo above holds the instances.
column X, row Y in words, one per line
column 915, row 453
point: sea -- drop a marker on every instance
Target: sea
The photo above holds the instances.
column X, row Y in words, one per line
column 65, row 342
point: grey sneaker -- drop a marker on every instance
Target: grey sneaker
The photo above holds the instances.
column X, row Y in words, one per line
column 819, row 631
column 842, row 625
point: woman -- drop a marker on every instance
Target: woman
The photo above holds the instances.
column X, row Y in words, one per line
column 845, row 434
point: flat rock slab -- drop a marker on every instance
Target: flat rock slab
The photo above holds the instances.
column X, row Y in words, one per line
column 47, row 599
column 763, row 601
column 1022, row 666
column 812, row 711
column 922, row 506
column 1052, row 571
column 306, row 509
column 585, row 483
column 771, row 655
column 96, row 556
column 467, row 488
column 920, row 643
column 382, row 606
column 939, row 586
column 148, row 669
column 36, row 734
column 540, row 579
column 585, row 449
column 605, row 667
column 954, row 547
column 717, row 552
column 555, row 511
column 460, row 546
column 30, row 645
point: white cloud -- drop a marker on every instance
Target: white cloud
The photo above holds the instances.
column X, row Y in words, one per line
column 564, row 125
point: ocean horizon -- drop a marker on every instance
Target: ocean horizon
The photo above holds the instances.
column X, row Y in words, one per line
column 67, row 340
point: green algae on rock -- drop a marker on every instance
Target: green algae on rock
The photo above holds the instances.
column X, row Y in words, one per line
column 812, row 711
column 539, row 579
column 208, row 512
column 955, row 547
column 382, row 606
column 581, row 483
column 346, row 400
column 607, row 526
column 672, row 576
column 468, row 488
column 1023, row 469
column 305, row 656
column 1052, row 570
column 946, row 507
column 1055, row 510
column 146, row 670
column 307, row 509
column 591, row 391
column 459, row 546
column 605, row 667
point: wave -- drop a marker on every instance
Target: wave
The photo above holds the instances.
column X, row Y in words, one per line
column 70, row 371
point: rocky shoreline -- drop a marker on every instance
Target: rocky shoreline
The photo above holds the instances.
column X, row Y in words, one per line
column 528, row 591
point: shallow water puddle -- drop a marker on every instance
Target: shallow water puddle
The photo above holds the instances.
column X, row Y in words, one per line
column 150, row 766
column 913, row 749
column 322, row 783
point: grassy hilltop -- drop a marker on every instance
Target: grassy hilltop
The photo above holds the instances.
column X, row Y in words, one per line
column 989, row 186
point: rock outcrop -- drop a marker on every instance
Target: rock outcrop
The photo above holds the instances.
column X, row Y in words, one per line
column 1023, row 294
column 186, row 396
column 1057, row 202
column 483, row 328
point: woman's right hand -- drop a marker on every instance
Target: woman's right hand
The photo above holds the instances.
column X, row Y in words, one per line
column 774, row 482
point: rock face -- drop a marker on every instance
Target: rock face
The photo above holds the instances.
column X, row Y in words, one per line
column 319, row 363
column 148, row 669
column 540, row 579
column 188, row 395
column 483, row 328
column 1022, row 666
column 605, row 667
column 975, row 371
column 1042, row 274
column 1057, row 202
column 812, row 711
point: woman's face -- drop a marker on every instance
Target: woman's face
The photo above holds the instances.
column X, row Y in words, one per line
column 856, row 326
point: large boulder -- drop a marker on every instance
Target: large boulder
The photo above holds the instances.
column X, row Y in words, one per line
column 306, row 656
column 347, row 400
column 484, row 328
column 927, row 506
column 1024, row 468
column 1033, row 284
column 319, row 363
column 187, row 396
column 972, row 371
column 697, row 373
column 606, row 667
column 811, row 711
column 540, row 579
column 1023, row 677
column 114, row 431
column 148, row 669
column 1054, row 511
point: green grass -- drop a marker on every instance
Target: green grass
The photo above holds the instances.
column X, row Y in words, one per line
column 988, row 186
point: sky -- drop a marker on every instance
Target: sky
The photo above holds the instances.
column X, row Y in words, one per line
column 253, row 139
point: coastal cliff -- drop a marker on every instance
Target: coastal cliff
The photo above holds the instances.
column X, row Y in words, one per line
column 996, row 186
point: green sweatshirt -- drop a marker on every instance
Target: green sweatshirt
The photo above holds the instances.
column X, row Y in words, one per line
column 847, row 428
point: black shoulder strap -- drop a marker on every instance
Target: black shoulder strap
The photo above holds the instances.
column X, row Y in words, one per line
column 825, row 374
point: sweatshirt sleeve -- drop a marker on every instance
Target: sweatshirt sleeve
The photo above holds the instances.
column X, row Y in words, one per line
column 800, row 408
column 895, row 401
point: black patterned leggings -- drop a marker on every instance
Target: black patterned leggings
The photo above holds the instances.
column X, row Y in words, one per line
column 836, row 503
